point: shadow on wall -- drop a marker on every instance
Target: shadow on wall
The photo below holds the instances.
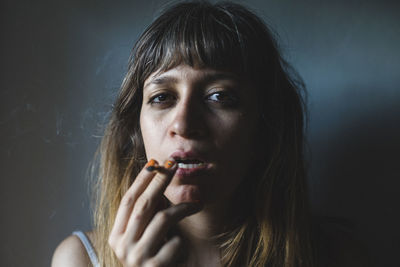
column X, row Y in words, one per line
column 356, row 175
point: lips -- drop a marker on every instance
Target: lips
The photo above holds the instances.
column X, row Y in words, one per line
column 190, row 163
column 187, row 157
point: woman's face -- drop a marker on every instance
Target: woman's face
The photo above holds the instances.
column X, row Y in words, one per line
column 207, row 121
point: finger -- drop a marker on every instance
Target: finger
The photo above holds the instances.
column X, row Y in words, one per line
column 160, row 181
column 158, row 227
column 168, row 254
column 131, row 195
column 147, row 202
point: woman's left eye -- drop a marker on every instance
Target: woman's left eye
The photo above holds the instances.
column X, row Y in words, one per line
column 223, row 98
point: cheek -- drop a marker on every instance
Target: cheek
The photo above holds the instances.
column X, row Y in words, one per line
column 235, row 131
column 238, row 143
column 150, row 133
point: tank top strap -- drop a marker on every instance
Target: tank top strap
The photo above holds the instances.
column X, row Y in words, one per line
column 88, row 246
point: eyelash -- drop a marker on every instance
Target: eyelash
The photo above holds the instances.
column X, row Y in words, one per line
column 152, row 99
column 231, row 101
column 231, row 98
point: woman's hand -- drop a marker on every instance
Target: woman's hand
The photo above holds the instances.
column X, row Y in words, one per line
column 139, row 231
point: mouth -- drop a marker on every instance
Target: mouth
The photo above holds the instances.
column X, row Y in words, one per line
column 189, row 163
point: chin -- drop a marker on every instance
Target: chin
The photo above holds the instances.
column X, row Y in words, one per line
column 183, row 193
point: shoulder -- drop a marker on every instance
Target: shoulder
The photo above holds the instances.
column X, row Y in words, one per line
column 71, row 252
column 338, row 246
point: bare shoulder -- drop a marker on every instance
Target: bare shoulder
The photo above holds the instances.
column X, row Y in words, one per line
column 71, row 252
column 338, row 246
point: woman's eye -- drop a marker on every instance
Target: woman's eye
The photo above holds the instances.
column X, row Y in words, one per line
column 162, row 98
column 223, row 98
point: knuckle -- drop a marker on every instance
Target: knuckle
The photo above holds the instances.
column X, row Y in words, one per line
column 135, row 258
column 139, row 251
column 120, row 252
column 143, row 204
column 163, row 216
column 178, row 241
column 160, row 179
column 127, row 200
column 137, row 216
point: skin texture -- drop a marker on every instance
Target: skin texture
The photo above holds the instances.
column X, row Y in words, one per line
column 205, row 111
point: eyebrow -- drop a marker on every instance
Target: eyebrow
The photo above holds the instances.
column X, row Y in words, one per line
column 163, row 80
column 208, row 78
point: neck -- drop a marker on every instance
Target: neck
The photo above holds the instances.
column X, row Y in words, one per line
column 214, row 219
column 202, row 229
column 199, row 232
column 202, row 226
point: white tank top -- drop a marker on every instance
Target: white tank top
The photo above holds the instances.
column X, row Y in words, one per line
column 89, row 247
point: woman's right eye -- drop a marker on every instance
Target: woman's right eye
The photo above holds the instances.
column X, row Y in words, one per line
column 162, row 98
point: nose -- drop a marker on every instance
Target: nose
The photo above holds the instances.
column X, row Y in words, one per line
column 188, row 120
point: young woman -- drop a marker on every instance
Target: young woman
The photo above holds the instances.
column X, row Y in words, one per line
column 202, row 161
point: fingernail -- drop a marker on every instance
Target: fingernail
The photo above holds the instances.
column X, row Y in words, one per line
column 151, row 165
column 169, row 164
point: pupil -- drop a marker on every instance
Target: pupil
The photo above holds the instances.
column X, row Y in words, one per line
column 161, row 97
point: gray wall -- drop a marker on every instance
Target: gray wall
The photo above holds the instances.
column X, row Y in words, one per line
column 62, row 63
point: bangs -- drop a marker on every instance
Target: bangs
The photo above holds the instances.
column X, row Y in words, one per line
column 200, row 35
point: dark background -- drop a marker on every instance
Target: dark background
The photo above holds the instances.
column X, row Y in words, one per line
column 62, row 63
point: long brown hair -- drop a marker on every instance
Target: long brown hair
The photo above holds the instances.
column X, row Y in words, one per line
column 275, row 230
